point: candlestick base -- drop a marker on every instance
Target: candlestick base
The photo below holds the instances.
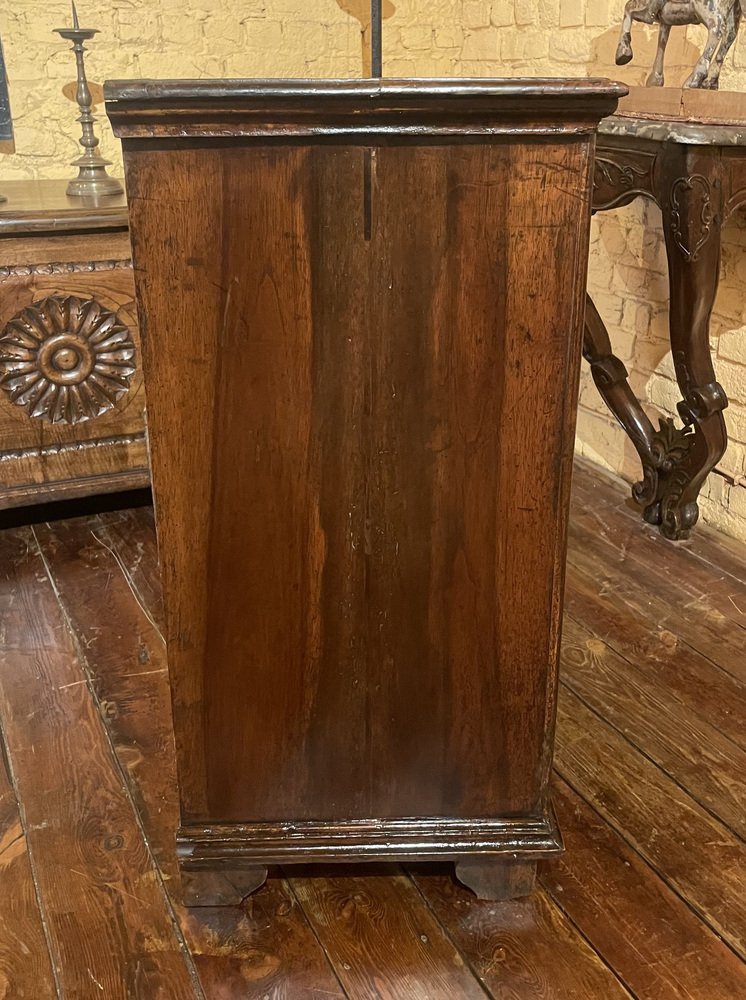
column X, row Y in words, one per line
column 93, row 181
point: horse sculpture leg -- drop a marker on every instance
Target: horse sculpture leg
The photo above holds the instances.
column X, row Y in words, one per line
column 733, row 20
column 714, row 22
column 635, row 10
column 656, row 75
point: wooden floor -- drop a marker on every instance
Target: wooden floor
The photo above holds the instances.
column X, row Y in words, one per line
column 648, row 902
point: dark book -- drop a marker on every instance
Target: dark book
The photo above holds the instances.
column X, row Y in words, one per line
column 6, row 123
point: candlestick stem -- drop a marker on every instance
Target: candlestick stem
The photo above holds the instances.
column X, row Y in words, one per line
column 92, row 179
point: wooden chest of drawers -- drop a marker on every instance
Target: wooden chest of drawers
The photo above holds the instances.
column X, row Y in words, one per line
column 72, row 406
column 362, row 405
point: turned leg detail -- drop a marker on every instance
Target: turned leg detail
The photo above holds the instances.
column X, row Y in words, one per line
column 497, row 879
column 610, row 377
column 220, row 887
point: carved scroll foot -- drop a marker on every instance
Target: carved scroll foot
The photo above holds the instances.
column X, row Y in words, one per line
column 220, row 887
column 682, row 457
column 674, row 522
column 498, row 880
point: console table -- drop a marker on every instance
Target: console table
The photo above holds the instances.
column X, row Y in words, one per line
column 72, row 406
column 697, row 175
column 369, row 298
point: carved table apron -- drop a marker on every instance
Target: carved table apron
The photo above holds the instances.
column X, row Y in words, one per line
column 697, row 175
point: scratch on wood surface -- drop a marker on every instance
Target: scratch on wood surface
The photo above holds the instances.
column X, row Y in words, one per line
column 109, row 885
column 739, row 610
column 95, row 980
column 125, row 574
column 72, row 684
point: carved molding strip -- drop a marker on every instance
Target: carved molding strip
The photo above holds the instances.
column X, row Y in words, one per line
column 66, row 447
column 23, row 270
column 65, row 359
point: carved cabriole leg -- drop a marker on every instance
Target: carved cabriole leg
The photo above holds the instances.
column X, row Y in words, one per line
column 219, row 886
column 610, row 377
column 692, row 214
column 497, row 879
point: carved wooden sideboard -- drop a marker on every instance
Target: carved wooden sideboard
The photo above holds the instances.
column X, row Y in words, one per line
column 361, row 408
column 72, row 405
column 697, row 175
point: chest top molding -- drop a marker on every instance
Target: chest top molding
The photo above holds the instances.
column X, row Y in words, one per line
column 357, row 110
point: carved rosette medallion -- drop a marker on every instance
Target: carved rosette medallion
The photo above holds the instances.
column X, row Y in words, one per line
column 65, row 359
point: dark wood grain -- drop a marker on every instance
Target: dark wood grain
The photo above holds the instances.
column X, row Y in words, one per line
column 249, row 951
column 131, row 536
column 361, row 412
column 663, row 823
column 25, row 968
column 645, row 931
column 109, row 924
column 525, row 949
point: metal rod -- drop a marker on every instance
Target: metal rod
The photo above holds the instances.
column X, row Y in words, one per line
column 376, row 38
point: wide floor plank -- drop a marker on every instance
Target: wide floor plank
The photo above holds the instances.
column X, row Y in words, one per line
column 358, row 917
column 649, row 902
column 25, row 968
column 712, row 694
column 526, row 948
column 666, row 570
column 109, row 924
column 722, row 644
column 657, row 817
column 644, row 930
column 686, row 747
column 266, row 947
column 596, row 489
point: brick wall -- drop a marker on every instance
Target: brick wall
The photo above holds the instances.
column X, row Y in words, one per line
column 198, row 38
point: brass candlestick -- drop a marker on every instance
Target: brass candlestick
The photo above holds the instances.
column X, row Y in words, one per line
column 92, row 177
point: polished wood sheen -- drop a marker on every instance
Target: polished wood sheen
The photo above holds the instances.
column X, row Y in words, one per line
column 646, row 903
column 369, row 300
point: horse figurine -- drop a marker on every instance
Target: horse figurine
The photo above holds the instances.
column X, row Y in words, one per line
column 720, row 17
